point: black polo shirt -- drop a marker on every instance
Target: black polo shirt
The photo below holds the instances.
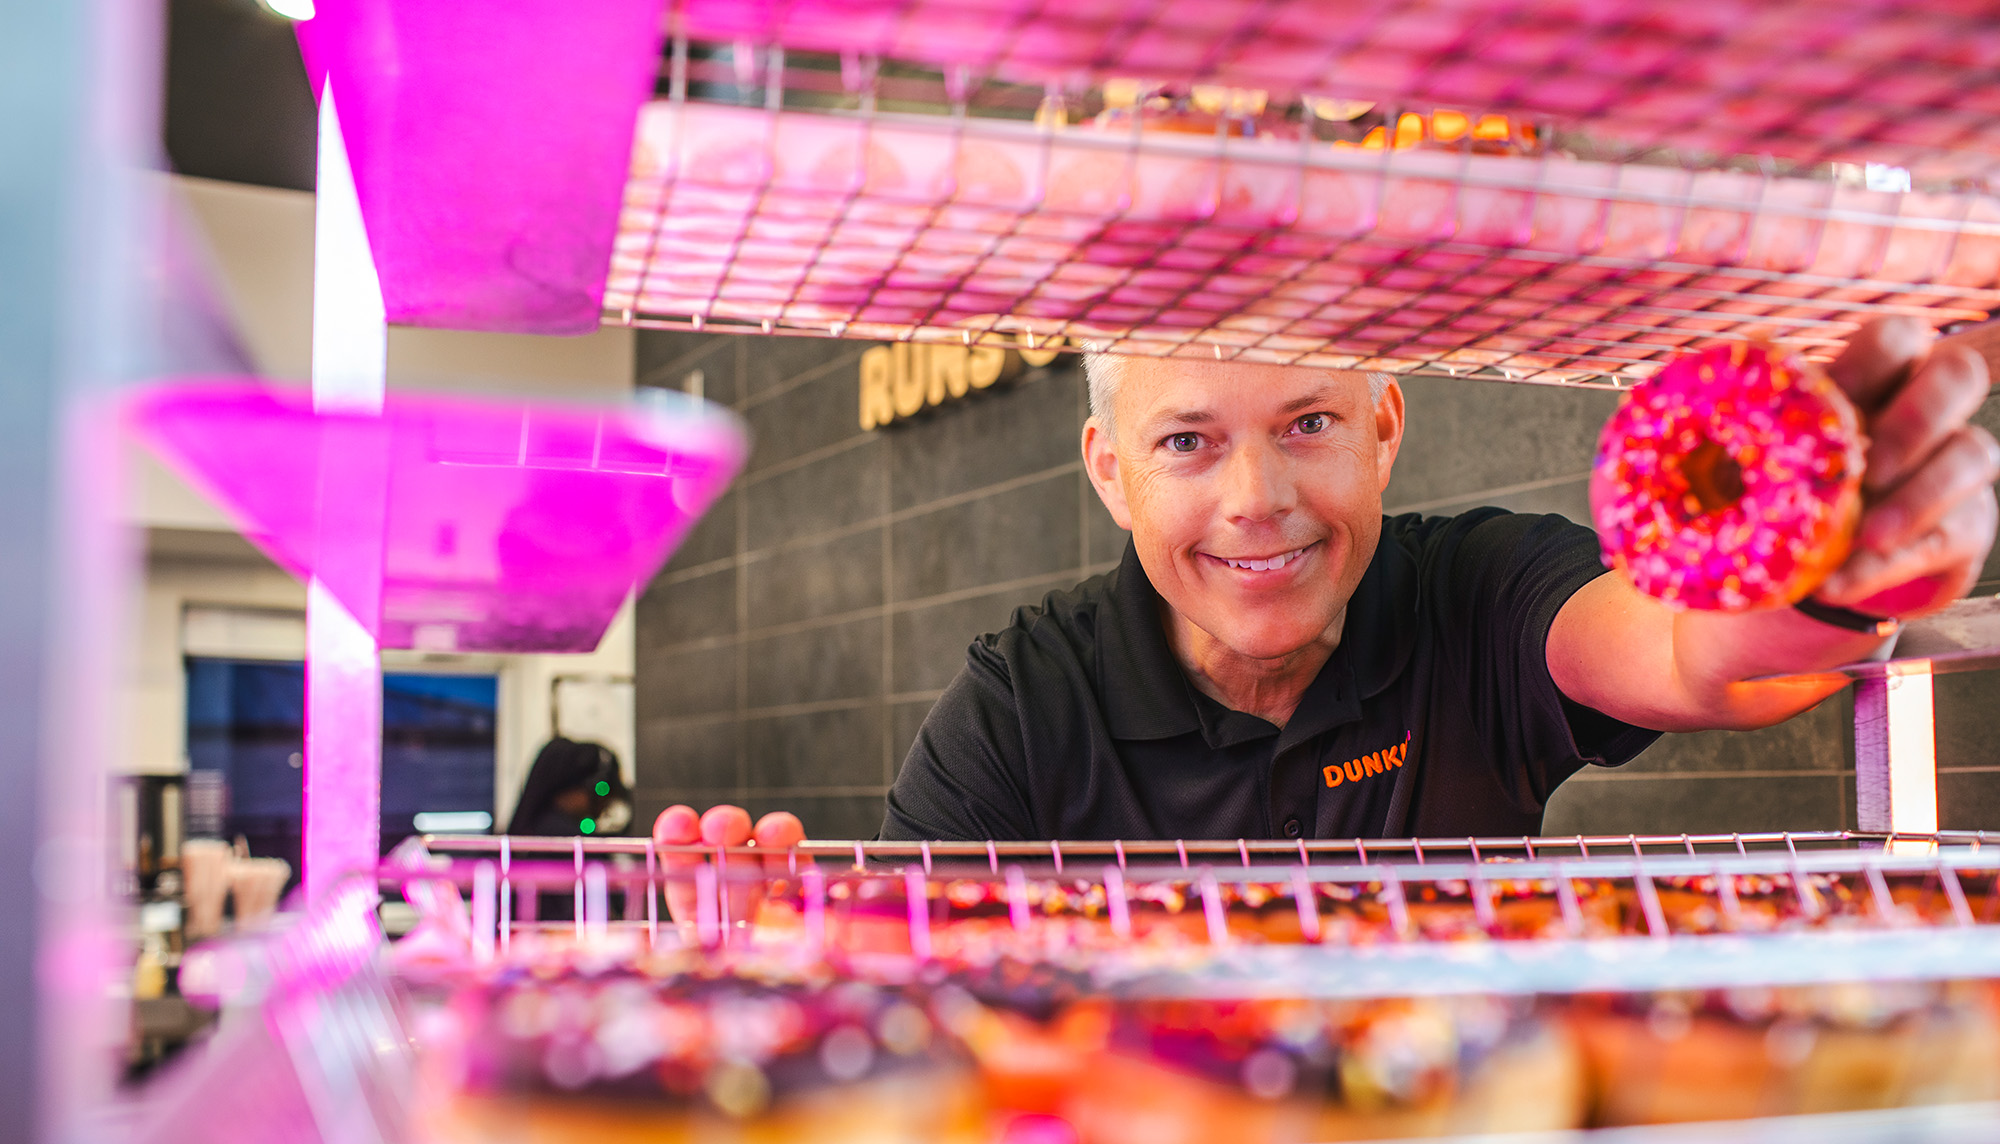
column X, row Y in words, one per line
column 1435, row 716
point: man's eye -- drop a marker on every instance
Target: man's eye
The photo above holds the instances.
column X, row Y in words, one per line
column 1311, row 423
column 1184, row 442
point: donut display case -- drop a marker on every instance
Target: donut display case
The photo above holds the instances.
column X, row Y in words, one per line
column 1564, row 194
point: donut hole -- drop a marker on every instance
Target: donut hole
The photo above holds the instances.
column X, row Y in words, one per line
column 1713, row 477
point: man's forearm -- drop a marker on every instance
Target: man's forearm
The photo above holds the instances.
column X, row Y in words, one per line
column 1635, row 659
column 1717, row 654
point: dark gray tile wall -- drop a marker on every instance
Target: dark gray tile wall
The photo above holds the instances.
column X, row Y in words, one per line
column 1529, row 448
column 790, row 650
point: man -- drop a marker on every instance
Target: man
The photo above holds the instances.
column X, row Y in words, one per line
column 1274, row 658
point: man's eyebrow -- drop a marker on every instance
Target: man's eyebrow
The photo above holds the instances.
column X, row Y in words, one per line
column 1319, row 397
column 1180, row 417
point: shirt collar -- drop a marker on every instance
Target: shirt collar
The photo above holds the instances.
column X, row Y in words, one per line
column 1375, row 644
column 1381, row 628
column 1147, row 695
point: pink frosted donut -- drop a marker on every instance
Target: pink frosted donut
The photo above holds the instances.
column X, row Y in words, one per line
column 1730, row 480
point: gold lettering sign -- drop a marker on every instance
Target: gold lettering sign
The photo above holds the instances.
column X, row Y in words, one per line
column 904, row 379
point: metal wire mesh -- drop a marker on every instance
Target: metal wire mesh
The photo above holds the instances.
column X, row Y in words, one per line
column 1248, row 852
column 1832, row 905
column 1909, row 84
column 980, row 229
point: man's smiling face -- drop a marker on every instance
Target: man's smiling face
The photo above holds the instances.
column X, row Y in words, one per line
column 1253, row 492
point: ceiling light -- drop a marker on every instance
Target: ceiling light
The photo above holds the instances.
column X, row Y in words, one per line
column 291, row 9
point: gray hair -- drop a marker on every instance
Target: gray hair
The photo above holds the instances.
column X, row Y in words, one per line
column 1105, row 371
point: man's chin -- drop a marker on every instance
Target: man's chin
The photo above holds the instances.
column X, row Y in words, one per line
column 1274, row 643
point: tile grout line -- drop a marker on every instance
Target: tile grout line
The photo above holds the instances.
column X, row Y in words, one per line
column 1846, row 706
column 1059, row 576
column 1084, row 490
column 1611, row 775
column 888, row 549
column 1009, row 485
column 655, row 378
column 1481, row 494
column 842, row 532
column 786, row 710
column 695, row 571
column 790, row 464
column 803, row 377
column 742, row 735
column 703, row 793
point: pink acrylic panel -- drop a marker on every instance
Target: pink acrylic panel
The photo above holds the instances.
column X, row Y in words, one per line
column 489, row 145
column 506, row 527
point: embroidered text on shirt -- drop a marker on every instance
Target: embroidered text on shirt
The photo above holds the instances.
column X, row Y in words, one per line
column 1354, row 770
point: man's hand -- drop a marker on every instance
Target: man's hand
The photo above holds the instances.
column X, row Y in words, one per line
column 1927, row 526
column 723, row 825
column 1929, row 481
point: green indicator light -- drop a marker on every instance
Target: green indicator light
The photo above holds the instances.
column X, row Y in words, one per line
column 603, row 788
column 588, row 826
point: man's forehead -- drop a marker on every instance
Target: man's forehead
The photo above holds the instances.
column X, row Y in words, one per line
column 1150, row 380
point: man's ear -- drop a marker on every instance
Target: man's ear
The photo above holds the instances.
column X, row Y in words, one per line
column 1388, row 431
column 1100, row 461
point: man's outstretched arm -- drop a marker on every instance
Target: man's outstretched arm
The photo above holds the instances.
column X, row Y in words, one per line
column 1924, row 535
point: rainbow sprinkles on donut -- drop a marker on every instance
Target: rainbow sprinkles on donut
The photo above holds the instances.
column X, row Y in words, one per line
column 1730, row 480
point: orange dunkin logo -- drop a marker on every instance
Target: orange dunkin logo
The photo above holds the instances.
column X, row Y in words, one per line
column 1354, row 770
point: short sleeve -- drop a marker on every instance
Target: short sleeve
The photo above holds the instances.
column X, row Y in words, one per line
column 1500, row 579
column 960, row 779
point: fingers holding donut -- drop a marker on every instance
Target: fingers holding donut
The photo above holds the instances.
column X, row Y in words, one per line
column 1928, row 571
column 1929, row 478
column 1943, row 391
column 1878, row 357
column 1912, row 390
column 1965, row 463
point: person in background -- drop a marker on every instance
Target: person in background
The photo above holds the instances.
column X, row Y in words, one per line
column 573, row 788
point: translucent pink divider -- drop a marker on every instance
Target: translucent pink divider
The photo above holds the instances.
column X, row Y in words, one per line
column 508, row 526
column 489, row 146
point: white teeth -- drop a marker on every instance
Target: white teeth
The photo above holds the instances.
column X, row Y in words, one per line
column 1271, row 565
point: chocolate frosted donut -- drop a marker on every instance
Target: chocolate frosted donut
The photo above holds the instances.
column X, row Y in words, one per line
column 1730, row 480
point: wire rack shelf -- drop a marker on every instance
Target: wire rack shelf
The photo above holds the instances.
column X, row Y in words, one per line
column 1288, row 248
column 1352, row 918
column 1908, row 84
column 1248, row 852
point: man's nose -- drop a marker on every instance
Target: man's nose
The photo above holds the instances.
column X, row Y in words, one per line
column 1257, row 483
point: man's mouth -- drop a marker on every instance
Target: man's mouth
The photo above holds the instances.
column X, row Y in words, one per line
column 1263, row 563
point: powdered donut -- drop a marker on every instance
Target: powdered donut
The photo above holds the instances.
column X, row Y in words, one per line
column 1730, row 480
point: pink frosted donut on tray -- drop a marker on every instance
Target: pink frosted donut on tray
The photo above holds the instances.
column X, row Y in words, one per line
column 1730, row 480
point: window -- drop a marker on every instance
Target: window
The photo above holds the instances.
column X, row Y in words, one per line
column 246, row 738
